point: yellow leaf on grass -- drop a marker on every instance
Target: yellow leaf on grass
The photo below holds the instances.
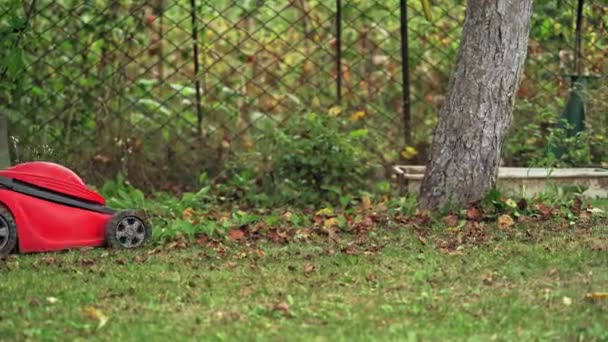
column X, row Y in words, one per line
column 505, row 221
column 247, row 143
column 511, row 203
column 325, row 212
column 332, row 222
column 366, row 202
column 531, row 141
column 187, row 213
column 52, row 300
column 335, row 110
column 357, row 116
column 597, row 296
column 96, row 315
column 409, row 152
column 308, row 268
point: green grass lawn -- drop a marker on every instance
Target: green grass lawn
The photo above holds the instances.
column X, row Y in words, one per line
column 390, row 285
column 601, row 203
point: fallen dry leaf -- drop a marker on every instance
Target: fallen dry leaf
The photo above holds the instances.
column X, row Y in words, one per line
column 87, row 261
column 595, row 211
column 475, row 214
column 450, row 252
column 188, row 213
column 543, row 210
column 257, row 227
column 451, row 220
column 309, row 268
column 522, row 204
column 422, row 239
column 487, row 279
column 96, row 315
column 585, row 216
column 102, row 158
column 246, row 291
column 421, row 212
column 329, row 251
column 236, row 234
column 303, row 234
column 332, row 232
column 356, row 116
column 139, row 259
column 156, row 250
column 505, row 221
column 329, row 223
column 260, row 252
column 596, row 296
column 49, row 260
column 366, row 203
column 325, row 212
column 34, row 302
column 225, row 316
column 601, row 246
column 52, row 300
column 577, row 205
column 372, row 249
column 522, row 219
column 202, row 239
column 366, row 225
column 351, row 250
column 282, row 307
column 276, row 235
column 231, row 264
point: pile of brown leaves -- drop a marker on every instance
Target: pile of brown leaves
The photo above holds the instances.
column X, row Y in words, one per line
column 473, row 226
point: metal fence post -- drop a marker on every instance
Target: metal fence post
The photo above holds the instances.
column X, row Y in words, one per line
column 405, row 75
column 197, row 82
column 339, row 50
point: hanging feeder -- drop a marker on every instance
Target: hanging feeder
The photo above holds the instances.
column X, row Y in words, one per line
column 573, row 117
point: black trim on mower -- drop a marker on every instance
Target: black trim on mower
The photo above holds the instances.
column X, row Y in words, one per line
column 52, row 196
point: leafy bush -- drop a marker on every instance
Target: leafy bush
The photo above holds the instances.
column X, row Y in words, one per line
column 547, row 142
column 566, row 149
column 310, row 160
column 174, row 215
column 12, row 23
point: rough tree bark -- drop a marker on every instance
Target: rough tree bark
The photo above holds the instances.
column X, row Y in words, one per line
column 475, row 118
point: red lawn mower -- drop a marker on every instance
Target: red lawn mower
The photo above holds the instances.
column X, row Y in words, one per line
column 47, row 207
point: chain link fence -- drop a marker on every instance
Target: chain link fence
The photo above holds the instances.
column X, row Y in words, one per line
column 164, row 90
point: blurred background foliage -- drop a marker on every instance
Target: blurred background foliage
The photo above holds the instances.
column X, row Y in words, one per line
column 163, row 91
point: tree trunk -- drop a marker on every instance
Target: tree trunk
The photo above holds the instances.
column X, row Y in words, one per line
column 475, row 118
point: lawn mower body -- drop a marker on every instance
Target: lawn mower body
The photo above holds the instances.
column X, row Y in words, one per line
column 53, row 209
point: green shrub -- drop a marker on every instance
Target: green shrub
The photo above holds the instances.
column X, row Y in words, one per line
column 566, row 150
column 545, row 143
column 309, row 160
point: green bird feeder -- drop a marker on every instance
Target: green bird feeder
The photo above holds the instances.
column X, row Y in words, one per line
column 574, row 113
